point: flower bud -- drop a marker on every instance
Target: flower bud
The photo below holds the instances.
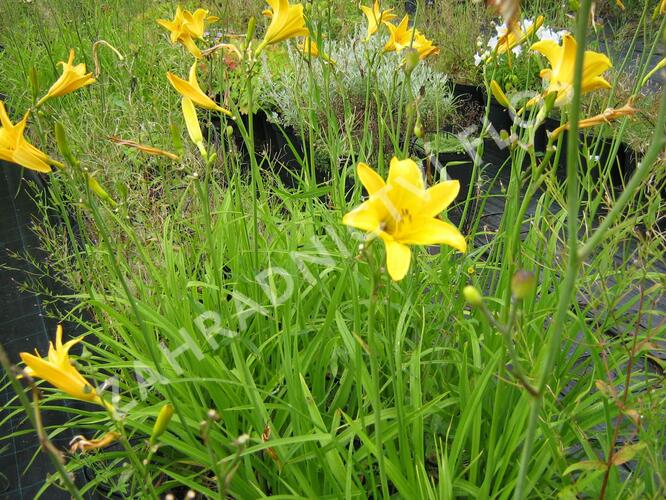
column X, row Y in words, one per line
column 161, row 423
column 418, row 128
column 34, row 82
column 472, row 295
column 522, row 284
column 499, row 95
column 251, row 25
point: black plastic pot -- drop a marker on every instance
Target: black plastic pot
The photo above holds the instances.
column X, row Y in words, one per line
column 595, row 154
column 499, row 116
column 458, row 166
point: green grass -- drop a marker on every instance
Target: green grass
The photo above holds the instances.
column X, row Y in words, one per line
column 348, row 385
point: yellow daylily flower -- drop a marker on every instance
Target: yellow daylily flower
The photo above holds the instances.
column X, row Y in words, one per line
column 57, row 370
column 309, row 48
column 606, row 117
column 402, row 212
column 187, row 26
column 287, row 21
column 424, row 46
column 561, row 73
column 190, row 88
column 376, row 17
column 14, row 148
column 72, row 78
column 401, row 36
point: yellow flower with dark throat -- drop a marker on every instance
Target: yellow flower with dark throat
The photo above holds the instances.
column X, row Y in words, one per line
column 188, row 26
column 190, row 88
column 14, row 148
column 57, row 370
column 287, row 21
column 562, row 59
column 376, row 17
column 402, row 212
column 73, row 78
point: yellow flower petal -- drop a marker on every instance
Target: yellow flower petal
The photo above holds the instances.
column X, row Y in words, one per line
column 191, row 89
column 370, row 179
column 287, row 21
column 406, row 185
column 191, row 47
column 364, row 218
column 398, row 258
column 191, row 121
column 550, row 49
column 14, row 148
column 440, row 196
column 429, row 231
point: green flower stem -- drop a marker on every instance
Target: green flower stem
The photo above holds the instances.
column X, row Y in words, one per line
column 505, row 330
column 36, row 421
column 374, row 370
column 567, row 288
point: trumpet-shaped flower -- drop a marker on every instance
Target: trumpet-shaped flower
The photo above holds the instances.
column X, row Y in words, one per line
column 401, row 36
column 287, row 21
column 15, row 148
column 190, row 88
column 402, row 212
column 376, row 17
column 57, row 369
column 562, row 60
column 424, row 46
column 188, row 26
column 73, row 78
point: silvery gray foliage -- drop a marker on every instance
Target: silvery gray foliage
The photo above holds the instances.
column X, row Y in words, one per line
column 287, row 89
